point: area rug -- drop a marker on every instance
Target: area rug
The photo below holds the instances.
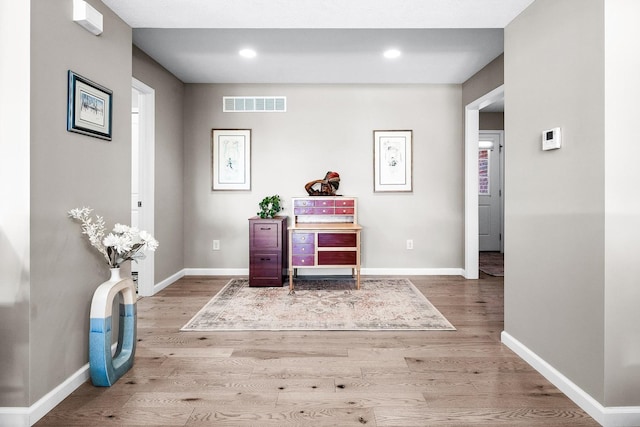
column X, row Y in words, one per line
column 492, row 263
column 335, row 304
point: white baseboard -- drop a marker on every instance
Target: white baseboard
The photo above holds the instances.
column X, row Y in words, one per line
column 28, row 416
column 168, row 281
column 310, row 271
column 216, row 271
column 412, row 271
column 611, row 416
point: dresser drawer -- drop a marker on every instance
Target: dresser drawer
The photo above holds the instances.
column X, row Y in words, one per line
column 323, row 203
column 303, row 211
column 337, row 240
column 323, row 211
column 302, row 238
column 345, row 211
column 350, row 203
column 337, row 258
column 303, row 203
column 303, row 260
column 303, row 249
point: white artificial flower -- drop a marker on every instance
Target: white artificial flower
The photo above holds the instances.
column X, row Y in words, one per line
column 124, row 243
column 149, row 242
column 120, row 243
column 121, row 228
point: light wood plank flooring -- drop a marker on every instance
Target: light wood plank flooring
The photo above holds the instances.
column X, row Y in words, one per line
column 432, row 378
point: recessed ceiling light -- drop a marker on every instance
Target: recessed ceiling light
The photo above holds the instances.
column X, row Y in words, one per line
column 248, row 53
column 392, row 53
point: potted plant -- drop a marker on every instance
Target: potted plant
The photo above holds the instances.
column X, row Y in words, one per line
column 270, row 206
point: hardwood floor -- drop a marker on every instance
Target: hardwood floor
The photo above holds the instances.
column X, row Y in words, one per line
column 428, row 378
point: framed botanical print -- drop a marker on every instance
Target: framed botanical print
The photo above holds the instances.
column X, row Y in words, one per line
column 392, row 160
column 231, row 159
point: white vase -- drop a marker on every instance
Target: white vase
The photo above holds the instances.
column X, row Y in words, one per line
column 115, row 274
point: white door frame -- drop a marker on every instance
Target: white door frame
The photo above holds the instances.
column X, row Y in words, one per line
column 146, row 279
column 471, row 139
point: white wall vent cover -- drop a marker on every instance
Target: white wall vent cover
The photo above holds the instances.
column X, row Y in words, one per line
column 254, row 104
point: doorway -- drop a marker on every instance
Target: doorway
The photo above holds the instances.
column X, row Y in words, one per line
column 142, row 179
column 471, row 138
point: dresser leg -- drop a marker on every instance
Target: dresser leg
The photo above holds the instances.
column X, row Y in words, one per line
column 291, row 291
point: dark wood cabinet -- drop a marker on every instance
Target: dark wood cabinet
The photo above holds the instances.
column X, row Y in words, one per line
column 268, row 259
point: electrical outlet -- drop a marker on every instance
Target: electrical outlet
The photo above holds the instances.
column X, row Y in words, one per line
column 216, row 245
column 409, row 244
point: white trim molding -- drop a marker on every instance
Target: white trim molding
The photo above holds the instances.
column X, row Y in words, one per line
column 309, row 272
column 28, row 416
column 147, row 154
column 413, row 271
column 168, row 281
column 471, row 134
column 607, row 416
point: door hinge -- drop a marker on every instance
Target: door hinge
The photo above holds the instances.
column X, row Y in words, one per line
column 500, row 193
column 500, row 235
column 139, row 204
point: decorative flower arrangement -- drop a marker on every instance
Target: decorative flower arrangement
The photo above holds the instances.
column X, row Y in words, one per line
column 122, row 244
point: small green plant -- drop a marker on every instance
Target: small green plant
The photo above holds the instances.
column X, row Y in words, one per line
column 270, row 206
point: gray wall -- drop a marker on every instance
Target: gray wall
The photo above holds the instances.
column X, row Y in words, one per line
column 331, row 128
column 484, row 81
column 622, row 203
column 169, row 163
column 70, row 170
column 554, row 204
column 491, row 121
column 14, row 209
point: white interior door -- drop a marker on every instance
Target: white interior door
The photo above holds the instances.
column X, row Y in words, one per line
column 490, row 191
column 142, row 181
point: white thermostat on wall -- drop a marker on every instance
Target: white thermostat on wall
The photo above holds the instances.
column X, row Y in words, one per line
column 551, row 139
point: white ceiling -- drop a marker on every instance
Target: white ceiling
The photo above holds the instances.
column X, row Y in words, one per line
column 320, row 41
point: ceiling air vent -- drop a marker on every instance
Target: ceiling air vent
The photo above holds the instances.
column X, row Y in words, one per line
column 254, row 104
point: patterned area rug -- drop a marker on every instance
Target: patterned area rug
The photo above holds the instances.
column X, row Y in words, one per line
column 380, row 304
column 492, row 263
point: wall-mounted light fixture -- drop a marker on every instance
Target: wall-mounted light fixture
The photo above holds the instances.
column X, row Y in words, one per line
column 85, row 15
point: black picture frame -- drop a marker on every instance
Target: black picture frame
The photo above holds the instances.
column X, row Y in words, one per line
column 89, row 107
